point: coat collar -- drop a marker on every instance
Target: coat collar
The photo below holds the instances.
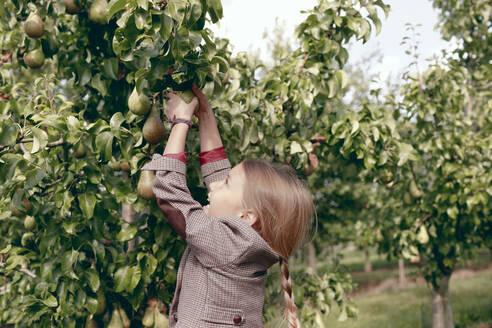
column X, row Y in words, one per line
column 260, row 251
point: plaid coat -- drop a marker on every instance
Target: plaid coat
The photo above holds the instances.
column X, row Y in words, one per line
column 221, row 275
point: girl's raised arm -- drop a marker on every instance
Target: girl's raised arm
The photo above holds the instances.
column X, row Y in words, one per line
column 215, row 165
column 209, row 133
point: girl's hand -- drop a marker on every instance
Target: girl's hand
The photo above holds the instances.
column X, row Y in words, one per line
column 204, row 107
column 178, row 108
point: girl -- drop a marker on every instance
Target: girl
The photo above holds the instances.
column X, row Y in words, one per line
column 258, row 213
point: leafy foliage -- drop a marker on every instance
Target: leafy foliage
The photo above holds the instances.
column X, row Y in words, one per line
column 65, row 127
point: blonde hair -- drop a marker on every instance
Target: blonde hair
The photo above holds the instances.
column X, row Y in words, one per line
column 284, row 207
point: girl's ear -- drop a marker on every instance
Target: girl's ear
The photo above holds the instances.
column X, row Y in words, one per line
column 249, row 217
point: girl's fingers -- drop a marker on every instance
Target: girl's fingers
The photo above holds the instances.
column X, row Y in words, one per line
column 172, row 96
column 194, row 102
column 198, row 93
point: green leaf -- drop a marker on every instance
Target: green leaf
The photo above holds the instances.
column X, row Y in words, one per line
column 91, row 304
column 50, row 301
column 68, row 260
column 33, row 177
column 342, row 79
column 295, row 147
column 93, row 279
column 406, row 152
column 127, row 278
column 8, row 134
column 376, row 23
column 14, row 260
column 115, row 122
column 120, row 279
column 166, row 27
column 127, row 233
column 115, row 6
column 333, row 88
column 215, row 10
column 40, row 139
column 99, row 84
column 150, row 265
column 110, row 68
column 355, row 127
column 87, row 202
column 143, row 4
column 104, row 142
column 73, row 123
column 135, row 275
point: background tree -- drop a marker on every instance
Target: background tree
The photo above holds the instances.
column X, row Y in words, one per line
column 82, row 89
column 446, row 192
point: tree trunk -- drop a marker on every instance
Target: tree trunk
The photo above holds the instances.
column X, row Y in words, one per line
column 367, row 262
column 312, row 258
column 128, row 215
column 402, row 280
column 442, row 313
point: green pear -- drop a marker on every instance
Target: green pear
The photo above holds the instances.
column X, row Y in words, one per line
column 308, row 169
column 160, row 320
column 407, row 199
column 144, row 186
column 153, row 130
column 71, row 6
column 80, row 151
column 414, row 190
column 124, row 318
column 386, row 176
column 29, row 222
column 115, row 319
column 139, row 104
column 125, row 166
column 422, row 235
column 114, row 164
column 98, row 12
column 26, row 208
column 101, row 302
column 148, row 318
column 34, row 58
column 33, row 26
column 27, row 237
column 90, row 323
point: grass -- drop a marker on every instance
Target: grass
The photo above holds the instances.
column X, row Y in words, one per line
column 353, row 261
column 471, row 299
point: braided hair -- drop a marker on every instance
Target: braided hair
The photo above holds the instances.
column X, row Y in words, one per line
column 284, row 208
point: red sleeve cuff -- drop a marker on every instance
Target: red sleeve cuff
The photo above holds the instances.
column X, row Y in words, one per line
column 179, row 156
column 212, row 155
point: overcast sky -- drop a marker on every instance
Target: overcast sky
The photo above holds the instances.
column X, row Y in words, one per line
column 245, row 22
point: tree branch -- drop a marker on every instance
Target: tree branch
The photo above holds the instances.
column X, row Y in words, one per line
column 22, row 270
column 49, row 144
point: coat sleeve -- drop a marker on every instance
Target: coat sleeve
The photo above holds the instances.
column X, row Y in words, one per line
column 215, row 241
column 215, row 171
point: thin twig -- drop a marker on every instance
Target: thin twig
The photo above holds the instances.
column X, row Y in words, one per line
column 22, row 270
column 49, row 144
column 28, row 140
column 23, row 148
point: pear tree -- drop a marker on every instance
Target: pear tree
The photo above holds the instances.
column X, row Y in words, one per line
column 444, row 212
column 81, row 113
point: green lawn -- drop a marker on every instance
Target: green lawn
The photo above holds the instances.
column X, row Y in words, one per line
column 471, row 299
column 353, row 261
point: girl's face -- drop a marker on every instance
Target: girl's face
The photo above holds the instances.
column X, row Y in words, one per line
column 226, row 196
